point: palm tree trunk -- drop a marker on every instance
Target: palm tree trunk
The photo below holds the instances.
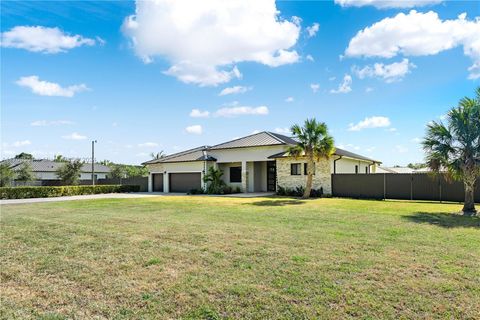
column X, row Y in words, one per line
column 469, row 204
column 308, row 187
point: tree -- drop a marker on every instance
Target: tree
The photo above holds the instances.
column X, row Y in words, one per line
column 213, row 179
column 24, row 173
column 117, row 171
column 158, row 155
column 59, row 158
column 314, row 143
column 455, row 146
column 69, row 173
column 24, row 155
column 416, row 165
column 6, row 175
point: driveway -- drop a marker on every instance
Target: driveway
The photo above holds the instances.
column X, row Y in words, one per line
column 84, row 197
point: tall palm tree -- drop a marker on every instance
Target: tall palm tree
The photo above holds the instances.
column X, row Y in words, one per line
column 157, row 155
column 455, row 146
column 314, row 143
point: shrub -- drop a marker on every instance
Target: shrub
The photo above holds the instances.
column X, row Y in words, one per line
column 196, row 191
column 238, row 190
column 298, row 192
column 46, row 192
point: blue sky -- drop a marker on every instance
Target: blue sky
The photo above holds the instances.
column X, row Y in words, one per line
column 97, row 76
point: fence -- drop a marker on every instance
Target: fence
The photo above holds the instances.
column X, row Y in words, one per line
column 417, row 186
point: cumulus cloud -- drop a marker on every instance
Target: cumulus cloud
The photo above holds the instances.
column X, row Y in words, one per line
column 197, row 113
column 370, row 122
column 234, row 90
column 345, row 86
column 52, row 89
column 241, row 111
column 22, row 143
column 204, row 40
column 43, row 39
column 388, row 72
column 285, row 131
column 315, row 87
column 46, row 123
column 312, row 30
column 418, row 34
column 387, row 4
column 74, row 136
column 148, row 145
column 195, row 129
column 309, row 57
column 289, row 99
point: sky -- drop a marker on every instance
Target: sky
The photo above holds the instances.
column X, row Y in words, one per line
column 171, row 75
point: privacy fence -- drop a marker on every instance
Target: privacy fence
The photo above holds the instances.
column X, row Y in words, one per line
column 417, row 186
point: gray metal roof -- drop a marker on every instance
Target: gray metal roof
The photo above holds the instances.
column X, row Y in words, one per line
column 256, row 140
column 195, row 154
column 44, row 165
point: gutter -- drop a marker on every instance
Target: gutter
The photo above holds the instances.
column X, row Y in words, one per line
column 335, row 164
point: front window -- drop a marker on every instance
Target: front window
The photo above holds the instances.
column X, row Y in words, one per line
column 235, row 174
column 295, row 169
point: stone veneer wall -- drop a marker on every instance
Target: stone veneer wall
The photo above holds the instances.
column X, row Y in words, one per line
column 321, row 178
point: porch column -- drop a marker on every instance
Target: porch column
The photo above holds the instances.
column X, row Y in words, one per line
column 150, row 187
column 244, row 177
column 166, row 182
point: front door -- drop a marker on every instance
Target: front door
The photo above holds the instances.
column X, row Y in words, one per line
column 271, row 176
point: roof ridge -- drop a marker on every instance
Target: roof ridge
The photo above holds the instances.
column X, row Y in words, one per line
column 229, row 141
column 181, row 153
column 273, row 135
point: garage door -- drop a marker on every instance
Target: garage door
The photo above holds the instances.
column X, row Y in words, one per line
column 157, row 182
column 184, row 182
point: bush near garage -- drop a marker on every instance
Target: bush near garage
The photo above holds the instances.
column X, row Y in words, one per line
column 60, row 191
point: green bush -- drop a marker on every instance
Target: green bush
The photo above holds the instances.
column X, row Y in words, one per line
column 47, row 192
column 298, row 192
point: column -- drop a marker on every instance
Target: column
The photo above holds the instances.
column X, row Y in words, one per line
column 244, row 177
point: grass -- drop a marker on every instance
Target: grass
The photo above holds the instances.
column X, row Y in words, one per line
column 215, row 258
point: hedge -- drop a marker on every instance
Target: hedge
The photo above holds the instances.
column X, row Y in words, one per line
column 46, row 192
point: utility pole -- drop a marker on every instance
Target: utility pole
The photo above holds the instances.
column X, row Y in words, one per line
column 93, row 161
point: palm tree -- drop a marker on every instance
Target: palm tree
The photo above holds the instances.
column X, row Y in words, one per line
column 314, row 143
column 455, row 146
column 158, row 155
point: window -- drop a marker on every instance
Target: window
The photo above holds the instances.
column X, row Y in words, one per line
column 305, row 165
column 235, row 174
column 356, row 169
column 295, row 169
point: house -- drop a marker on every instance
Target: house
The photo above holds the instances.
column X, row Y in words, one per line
column 402, row 170
column 44, row 169
column 255, row 163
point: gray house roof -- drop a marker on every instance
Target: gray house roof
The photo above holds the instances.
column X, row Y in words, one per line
column 44, row 165
column 260, row 139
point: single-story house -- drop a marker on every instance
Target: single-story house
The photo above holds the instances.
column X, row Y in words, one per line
column 402, row 170
column 255, row 163
column 44, row 169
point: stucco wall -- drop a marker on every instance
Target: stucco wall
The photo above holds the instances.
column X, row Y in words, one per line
column 246, row 154
column 346, row 165
column 321, row 179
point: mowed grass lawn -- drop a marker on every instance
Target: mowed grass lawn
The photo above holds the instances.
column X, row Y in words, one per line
column 264, row 258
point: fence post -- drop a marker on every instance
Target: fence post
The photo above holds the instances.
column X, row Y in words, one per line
column 384, row 186
column 440, row 188
column 411, row 186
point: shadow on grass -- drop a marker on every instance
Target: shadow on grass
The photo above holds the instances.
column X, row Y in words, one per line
column 277, row 203
column 445, row 220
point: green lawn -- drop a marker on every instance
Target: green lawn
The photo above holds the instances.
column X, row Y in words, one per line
column 206, row 257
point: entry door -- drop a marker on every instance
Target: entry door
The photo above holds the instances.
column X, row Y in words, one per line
column 271, row 176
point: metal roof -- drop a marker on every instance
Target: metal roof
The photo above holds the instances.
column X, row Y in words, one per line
column 338, row 152
column 195, row 154
column 44, row 165
column 256, row 140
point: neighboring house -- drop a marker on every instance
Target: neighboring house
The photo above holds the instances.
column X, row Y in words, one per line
column 255, row 163
column 401, row 170
column 44, row 169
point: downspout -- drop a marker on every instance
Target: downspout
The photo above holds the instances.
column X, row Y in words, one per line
column 335, row 164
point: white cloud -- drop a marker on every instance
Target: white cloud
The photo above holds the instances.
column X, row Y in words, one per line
column 289, row 99
column 253, row 132
column 285, row 131
column 313, row 29
column 234, row 90
column 345, row 86
column 368, row 89
column 197, row 113
column 43, row 39
column 416, row 140
column 309, row 57
column 148, row 145
column 418, row 34
column 74, row 136
column 51, row 89
column 388, row 72
column 22, row 143
column 195, row 129
column 203, row 40
column 387, row 4
column 370, row 122
column 315, row 87
column 241, row 110
column 401, row 149
column 46, row 123
column 392, row 129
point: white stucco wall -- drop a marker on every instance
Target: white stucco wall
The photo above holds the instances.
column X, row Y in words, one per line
column 347, row 165
column 246, row 154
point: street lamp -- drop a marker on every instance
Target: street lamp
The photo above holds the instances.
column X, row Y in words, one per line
column 93, row 162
